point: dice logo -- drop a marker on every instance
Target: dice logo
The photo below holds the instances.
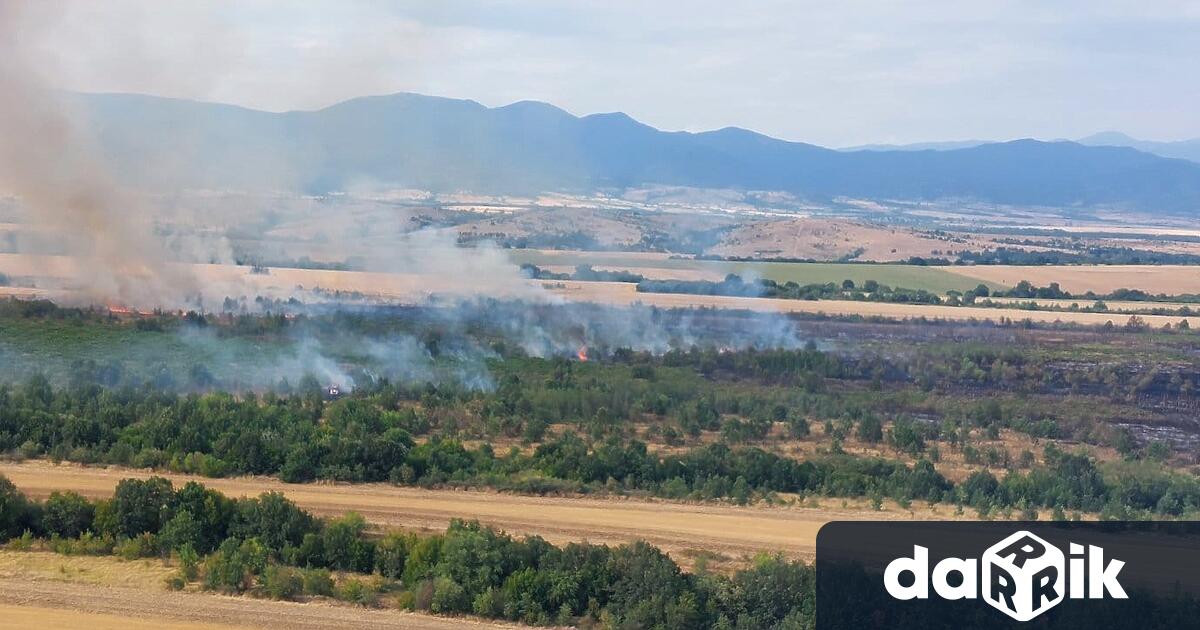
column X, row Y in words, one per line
column 1023, row 576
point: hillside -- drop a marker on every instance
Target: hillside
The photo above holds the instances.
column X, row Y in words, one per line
column 409, row 140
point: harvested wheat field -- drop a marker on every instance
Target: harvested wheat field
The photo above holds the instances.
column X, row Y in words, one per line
column 624, row 294
column 683, row 530
column 61, row 619
column 56, row 605
column 1169, row 279
column 233, row 280
column 1114, row 306
column 41, row 589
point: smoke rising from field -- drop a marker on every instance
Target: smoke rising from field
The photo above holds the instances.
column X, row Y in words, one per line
column 54, row 169
column 134, row 248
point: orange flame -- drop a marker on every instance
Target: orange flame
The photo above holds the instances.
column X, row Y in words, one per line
column 582, row 353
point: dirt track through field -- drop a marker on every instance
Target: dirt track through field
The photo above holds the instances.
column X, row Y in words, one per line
column 680, row 529
column 48, row 605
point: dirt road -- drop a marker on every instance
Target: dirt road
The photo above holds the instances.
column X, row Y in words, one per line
column 680, row 529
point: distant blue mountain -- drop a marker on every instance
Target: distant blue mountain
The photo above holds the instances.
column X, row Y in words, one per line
column 1181, row 149
column 442, row 144
column 947, row 145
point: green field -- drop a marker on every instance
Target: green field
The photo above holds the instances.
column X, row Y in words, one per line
column 907, row 276
column 58, row 347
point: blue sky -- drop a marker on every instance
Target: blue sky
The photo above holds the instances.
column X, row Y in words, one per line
column 833, row 73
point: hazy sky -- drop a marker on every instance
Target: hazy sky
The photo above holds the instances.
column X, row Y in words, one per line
column 831, row 72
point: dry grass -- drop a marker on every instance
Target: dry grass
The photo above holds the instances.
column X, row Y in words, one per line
column 97, row 571
column 30, row 603
column 53, row 619
column 832, row 239
column 1169, row 279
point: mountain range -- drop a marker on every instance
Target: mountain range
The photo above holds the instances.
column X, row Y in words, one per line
column 440, row 144
column 1181, row 149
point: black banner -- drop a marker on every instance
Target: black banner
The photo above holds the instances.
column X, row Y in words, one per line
column 901, row 575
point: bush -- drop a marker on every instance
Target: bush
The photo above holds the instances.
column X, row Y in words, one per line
column 181, row 531
column 140, row 507
column 345, row 548
column 17, row 514
column 317, row 582
column 449, row 597
column 235, row 564
column 88, row 544
column 189, row 563
column 423, row 595
column 279, row 582
column 357, row 591
column 144, row 546
column 489, row 603
column 391, row 553
column 67, row 514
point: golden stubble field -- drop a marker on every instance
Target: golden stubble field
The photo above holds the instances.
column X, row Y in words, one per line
column 685, row 531
column 43, row 590
column 1169, row 279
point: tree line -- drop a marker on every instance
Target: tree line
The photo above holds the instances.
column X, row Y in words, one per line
column 733, row 285
column 269, row 547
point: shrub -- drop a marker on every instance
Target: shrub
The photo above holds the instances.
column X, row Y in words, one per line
column 344, row 546
column 279, row 582
column 449, row 597
column 489, row 603
column 16, row 512
column 423, row 595
column 67, row 514
column 356, row 591
column 391, row 553
column 317, row 582
column 88, row 544
column 235, row 564
column 140, row 506
column 145, row 545
column 182, row 530
column 189, row 563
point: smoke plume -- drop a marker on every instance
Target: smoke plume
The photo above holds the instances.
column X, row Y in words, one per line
column 51, row 164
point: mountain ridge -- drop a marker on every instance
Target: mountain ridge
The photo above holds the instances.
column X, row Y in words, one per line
column 443, row 144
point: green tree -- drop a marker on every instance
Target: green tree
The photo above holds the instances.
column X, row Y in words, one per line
column 67, row 514
column 234, row 566
column 142, row 506
column 17, row 514
column 345, row 549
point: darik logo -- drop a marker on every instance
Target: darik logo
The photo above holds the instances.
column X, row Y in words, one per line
column 1023, row 576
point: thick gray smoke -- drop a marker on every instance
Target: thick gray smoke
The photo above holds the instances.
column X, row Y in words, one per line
column 53, row 168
